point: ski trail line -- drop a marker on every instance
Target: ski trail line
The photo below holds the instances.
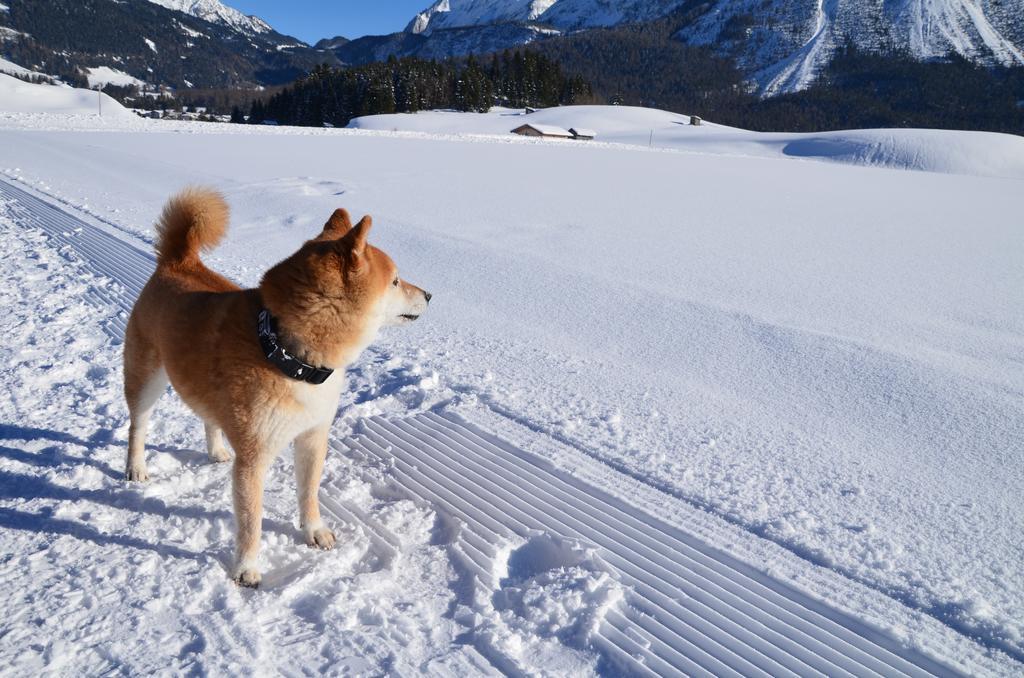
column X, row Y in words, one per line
column 688, row 607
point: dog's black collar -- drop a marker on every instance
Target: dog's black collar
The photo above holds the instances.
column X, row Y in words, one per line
column 283, row 360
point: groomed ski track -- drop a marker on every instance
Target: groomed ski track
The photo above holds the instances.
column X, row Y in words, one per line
column 689, row 608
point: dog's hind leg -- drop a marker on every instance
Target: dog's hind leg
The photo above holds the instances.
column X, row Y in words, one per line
column 215, row 443
column 310, row 453
column 144, row 382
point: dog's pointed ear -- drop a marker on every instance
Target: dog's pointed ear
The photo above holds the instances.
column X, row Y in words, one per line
column 355, row 239
column 337, row 226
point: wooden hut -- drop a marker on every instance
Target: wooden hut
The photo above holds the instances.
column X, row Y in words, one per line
column 549, row 131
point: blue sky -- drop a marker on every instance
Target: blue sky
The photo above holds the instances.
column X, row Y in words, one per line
column 311, row 20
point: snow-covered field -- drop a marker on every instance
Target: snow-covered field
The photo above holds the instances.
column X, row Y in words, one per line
column 976, row 153
column 709, row 404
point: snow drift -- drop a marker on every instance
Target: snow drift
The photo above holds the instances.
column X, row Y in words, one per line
column 17, row 96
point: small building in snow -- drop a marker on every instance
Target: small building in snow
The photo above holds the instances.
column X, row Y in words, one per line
column 550, row 131
column 582, row 134
column 695, row 120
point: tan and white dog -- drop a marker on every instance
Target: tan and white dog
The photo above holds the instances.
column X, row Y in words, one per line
column 250, row 362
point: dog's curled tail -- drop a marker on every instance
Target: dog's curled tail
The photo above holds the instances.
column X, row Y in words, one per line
column 195, row 219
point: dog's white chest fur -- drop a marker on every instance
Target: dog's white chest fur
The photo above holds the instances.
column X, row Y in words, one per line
column 311, row 406
column 318, row 403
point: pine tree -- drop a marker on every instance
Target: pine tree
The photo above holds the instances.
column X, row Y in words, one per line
column 410, row 84
column 257, row 113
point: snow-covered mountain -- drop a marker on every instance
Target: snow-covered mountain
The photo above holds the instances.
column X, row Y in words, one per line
column 783, row 44
column 217, row 13
column 786, row 45
column 460, row 27
column 448, row 14
column 177, row 43
column 561, row 14
column 440, row 44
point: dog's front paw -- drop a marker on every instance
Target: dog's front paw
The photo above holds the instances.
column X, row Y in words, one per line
column 319, row 536
column 247, row 575
column 136, row 475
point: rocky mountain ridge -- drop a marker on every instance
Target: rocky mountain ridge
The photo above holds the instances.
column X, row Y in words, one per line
column 782, row 44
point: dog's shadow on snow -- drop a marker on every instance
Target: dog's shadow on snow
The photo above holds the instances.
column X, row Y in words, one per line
column 103, row 438
column 45, row 522
column 52, row 456
column 21, row 486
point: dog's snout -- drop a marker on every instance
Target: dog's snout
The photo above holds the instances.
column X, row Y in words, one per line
column 427, row 295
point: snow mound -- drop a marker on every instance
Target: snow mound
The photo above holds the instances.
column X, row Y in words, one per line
column 553, row 596
column 959, row 152
column 17, row 96
column 946, row 151
column 554, row 588
column 624, row 124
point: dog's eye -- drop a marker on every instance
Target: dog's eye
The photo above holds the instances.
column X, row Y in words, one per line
column 395, row 282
